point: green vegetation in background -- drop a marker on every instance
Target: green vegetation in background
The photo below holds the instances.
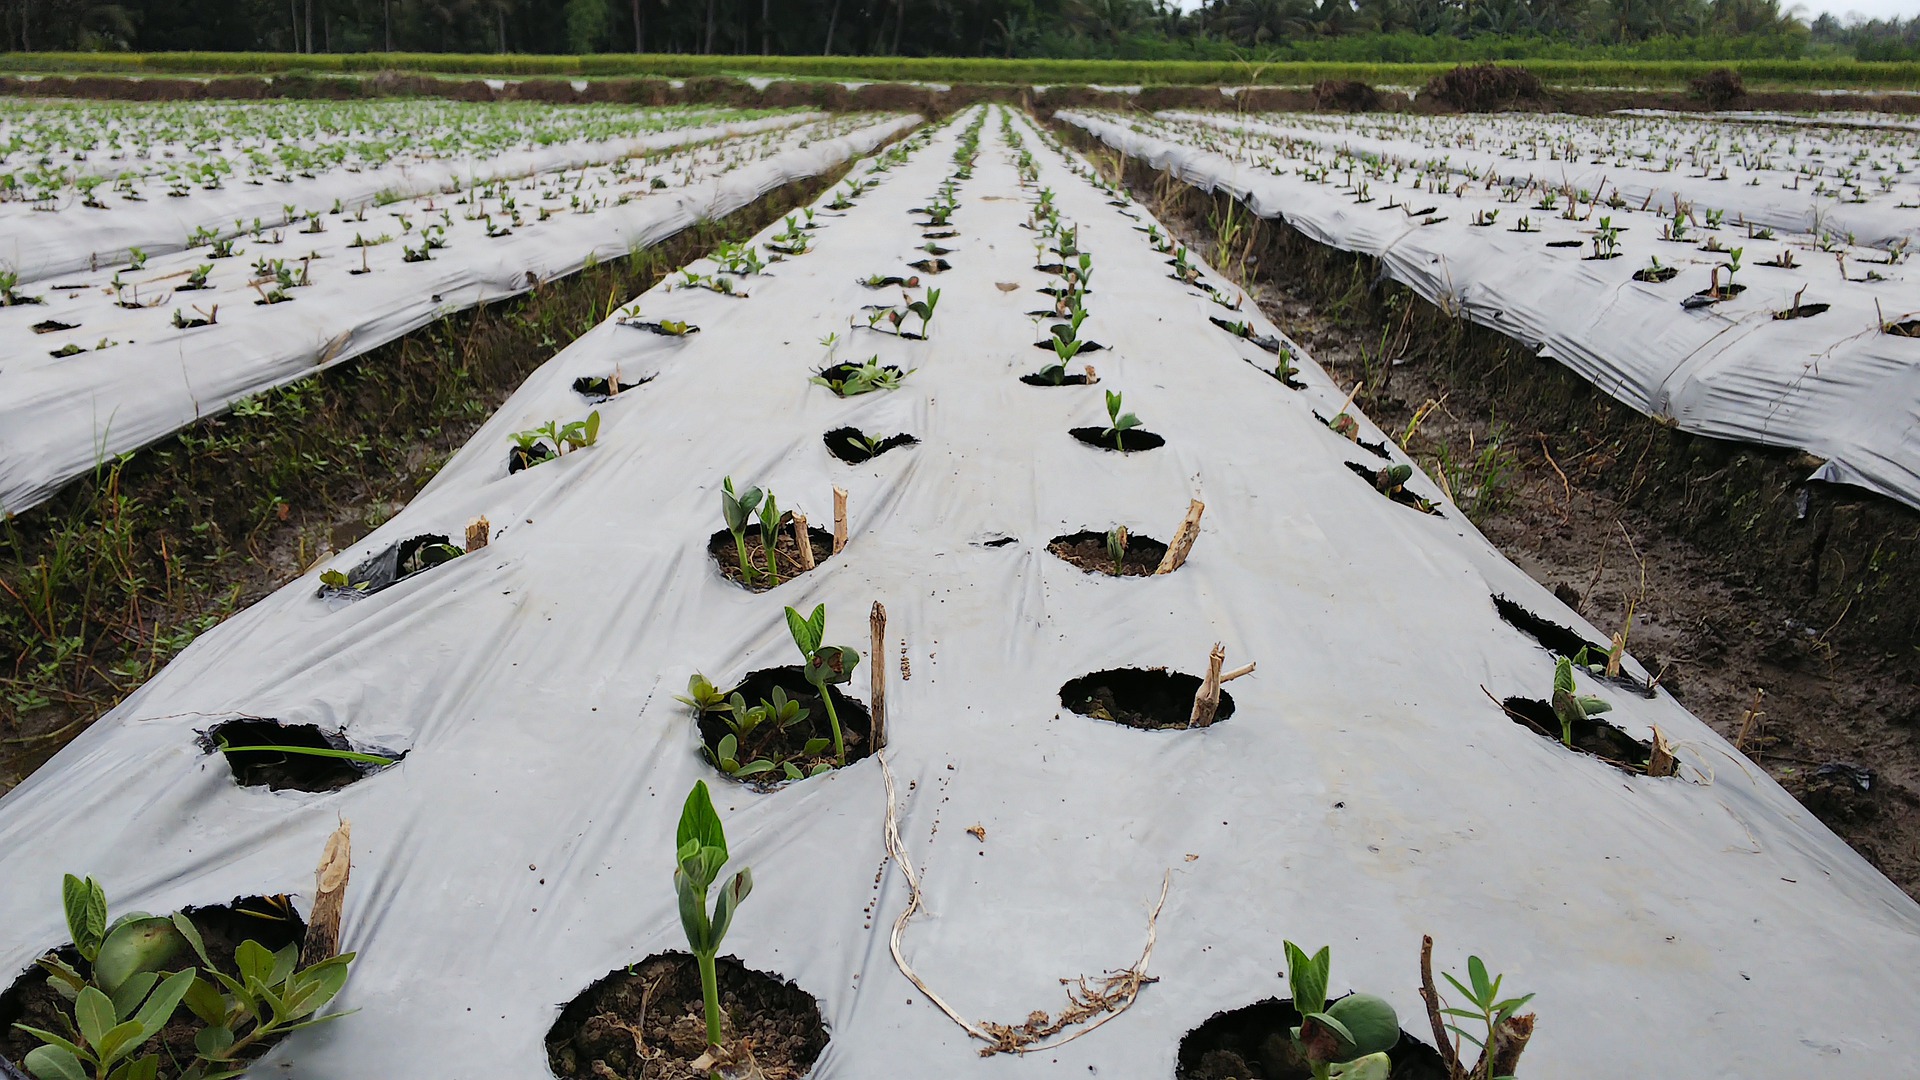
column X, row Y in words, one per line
column 1839, row 72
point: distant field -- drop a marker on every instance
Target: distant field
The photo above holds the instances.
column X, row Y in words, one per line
column 1801, row 74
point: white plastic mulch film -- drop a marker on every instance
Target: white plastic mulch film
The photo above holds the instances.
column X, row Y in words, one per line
column 112, row 360
column 1364, row 791
column 1601, row 242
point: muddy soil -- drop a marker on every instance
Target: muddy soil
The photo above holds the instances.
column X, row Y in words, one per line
column 1819, row 713
column 648, row 1021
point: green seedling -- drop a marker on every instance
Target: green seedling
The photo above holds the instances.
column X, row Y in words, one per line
column 703, row 695
column 770, row 521
column 554, row 439
column 864, row 379
column 736, row 509
column 700, row 853
column 1570, row 707
column 1117, row 548
column 741, row 756
column 924, row 309
column 824, row 666
column 1118, row 422
column 1348, row 1038
column 1489, row 1010
column 224, row 747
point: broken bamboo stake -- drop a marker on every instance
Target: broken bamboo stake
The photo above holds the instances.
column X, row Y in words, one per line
column 1661, row 761
column 1243, row 669
column 1207, row 702
column 477, row 533
column 1354, row 394
column 804, row 539
column 839, row 519
column 329, row 901
column 1183, row 539
column 877, row 674
column 1091, row 377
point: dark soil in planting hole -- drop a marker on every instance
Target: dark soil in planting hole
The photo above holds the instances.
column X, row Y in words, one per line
column 1037, row 379
column 279, row 771
column 1255, row 1043
column 1708, row 296
column 1562, row 641
column 1804, row 311
column 1150, row 698
column 598, row 390
column 1566, row 243
column 53, row 326
column 657, row 1004
column 657, row 328
column 856, row 723
column 1400, row 495
column 933, row 233
column 721, row 546
column 1272, row 345
column 1087, row 550
column 32, row 1000
column 1909, row 328
column 844, row 444
column 1085, row 346
column 844, row 370
column 522, row 458
column 1127, row 442
column 391, row 565
column 932, row 266
column 888, row 282
column 1378, row 450
column 1592, row 735
column 1655, row 277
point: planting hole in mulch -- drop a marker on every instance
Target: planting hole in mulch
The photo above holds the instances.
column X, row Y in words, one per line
column 1909, row 328
column 1378, row 450
column 53, row 326
column 392, row 565
column 1566, row 243
column 1085, row 346
column 932, row 266
column 676, row 329
column 1153, row 699
column 1709, row 296
column 726, row 554
column 601, row 389
column 522, row 458
column 1591, row 735
column 770, row 742
column 1130, row 441
column 854, row 446
column 939, row 234
column 1563, row 641
column 1038, row 379
column 279, row 770
column 1245, row 332
column 1382, row 481
column 32, row 999
column 1655, row 277
column 1254, row 1042
column 1088, row 550
column 647, row 1021
column 1800, row 311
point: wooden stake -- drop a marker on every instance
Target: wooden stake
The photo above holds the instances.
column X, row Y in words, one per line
column 839, row 519
column 1207, row 701
column 805, row 541
column 1350, row 397
column 877, row 674
column 1441, row 1037
column 1661, row 762
column 323, row 926
column 1509, row 1039
column 1091, row 377
column 478, row 531
column 1243, row 669
column 1183, row 539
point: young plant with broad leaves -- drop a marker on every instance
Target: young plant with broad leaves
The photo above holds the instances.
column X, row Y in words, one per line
column 1345, row 1040
column 737, row 508
column 1569, row 706
column 1118, row 423
column 825, row 666
column 700, row 853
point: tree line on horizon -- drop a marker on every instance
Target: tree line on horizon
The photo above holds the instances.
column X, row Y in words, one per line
column 1339, row 30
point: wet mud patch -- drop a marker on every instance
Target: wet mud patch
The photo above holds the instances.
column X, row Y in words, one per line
column 263, row 752
column 1591, row 735
column 854, row 446
column 390, row 566
column 1131, row 441
column 1254, row 1042
column 806, row 742
column 33, row 1000
column 786, row 548
column 1153, row 699
column 647, row 1020
column 1089, row 551
column 597, row 390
